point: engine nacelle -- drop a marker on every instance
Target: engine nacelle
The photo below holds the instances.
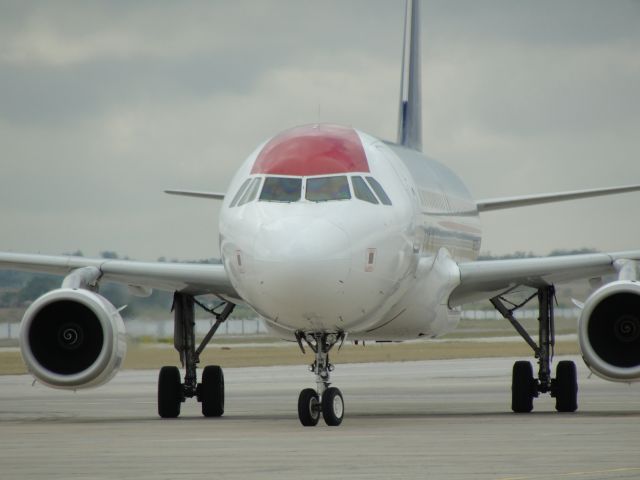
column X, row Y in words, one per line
column 609, row 331
column 72, row 338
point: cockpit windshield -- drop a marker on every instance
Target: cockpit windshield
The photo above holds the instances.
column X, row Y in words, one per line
column 240, row 192
column 323, row 189
column 281, row 189
column 312, row 189
column 382, row 195
column 362, row 191
column 251, row 192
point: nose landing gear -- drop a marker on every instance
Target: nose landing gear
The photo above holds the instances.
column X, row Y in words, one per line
column 325, row 400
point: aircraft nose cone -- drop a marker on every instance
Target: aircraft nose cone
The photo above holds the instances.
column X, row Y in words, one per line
column 304, row 264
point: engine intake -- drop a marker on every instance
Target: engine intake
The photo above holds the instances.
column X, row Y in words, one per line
column 72, row 338
column 609, row 331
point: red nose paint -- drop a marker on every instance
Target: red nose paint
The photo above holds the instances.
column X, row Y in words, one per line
column 312, row 150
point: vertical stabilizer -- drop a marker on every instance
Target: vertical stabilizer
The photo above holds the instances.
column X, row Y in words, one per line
column 410, row 118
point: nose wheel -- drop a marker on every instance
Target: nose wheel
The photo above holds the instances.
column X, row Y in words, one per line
column 325, row 401
column 332, row 406
column 309, row 407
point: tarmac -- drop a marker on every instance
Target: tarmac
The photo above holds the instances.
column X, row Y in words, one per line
column 441, row 419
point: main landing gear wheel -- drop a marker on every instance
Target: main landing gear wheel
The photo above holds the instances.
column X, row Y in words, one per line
column 309, row 407
column 332, row 406
column 566, row 387
column 169, row 392
column 211, row 392
column 522, row 387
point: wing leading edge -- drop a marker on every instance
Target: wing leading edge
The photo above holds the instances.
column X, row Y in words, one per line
column 194, row 279
column 486, row 279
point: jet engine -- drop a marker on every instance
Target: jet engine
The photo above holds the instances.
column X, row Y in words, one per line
column 72, row 339
column 609, row 331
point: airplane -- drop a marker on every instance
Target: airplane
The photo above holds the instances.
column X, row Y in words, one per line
column 331, row 234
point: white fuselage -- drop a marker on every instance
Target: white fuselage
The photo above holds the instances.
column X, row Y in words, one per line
column 307, row 261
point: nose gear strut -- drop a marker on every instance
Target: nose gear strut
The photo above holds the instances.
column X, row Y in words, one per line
column 325, row 399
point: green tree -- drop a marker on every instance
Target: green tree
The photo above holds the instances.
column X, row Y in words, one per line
column 36, row 286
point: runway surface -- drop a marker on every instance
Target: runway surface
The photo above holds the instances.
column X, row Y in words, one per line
column 447, row 419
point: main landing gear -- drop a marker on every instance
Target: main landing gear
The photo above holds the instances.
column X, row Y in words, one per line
column 524, row 387
column 324, row 400
column 171, row 391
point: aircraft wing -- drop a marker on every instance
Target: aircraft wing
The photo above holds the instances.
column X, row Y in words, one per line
column 195, row 279
column 486, row 279
column 528, row 200
column 198, row 194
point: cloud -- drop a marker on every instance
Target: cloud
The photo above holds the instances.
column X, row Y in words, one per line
column 105, row 104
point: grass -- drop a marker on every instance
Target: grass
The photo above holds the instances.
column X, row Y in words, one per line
column 154, row 356
column 147, row 353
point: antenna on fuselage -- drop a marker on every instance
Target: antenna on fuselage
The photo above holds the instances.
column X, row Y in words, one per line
column 410, row 116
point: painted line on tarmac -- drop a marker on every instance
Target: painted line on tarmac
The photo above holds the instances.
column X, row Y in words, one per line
column 573, row 474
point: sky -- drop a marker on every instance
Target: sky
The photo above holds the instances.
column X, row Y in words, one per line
column 103, row 105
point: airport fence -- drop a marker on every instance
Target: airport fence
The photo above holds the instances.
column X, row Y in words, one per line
column 529, row 313
column 163, row 329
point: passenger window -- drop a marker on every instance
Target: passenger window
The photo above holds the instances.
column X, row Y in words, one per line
column 327, row 188
column 379, row 190
column 281, row 189
column 250, row 194
column 362, row 191
column 240, row 192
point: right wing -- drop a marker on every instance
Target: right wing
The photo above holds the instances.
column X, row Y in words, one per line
column 196, row 193
column 194, row 279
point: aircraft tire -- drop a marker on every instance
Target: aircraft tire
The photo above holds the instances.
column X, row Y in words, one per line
column 308, row 407
column 332, row 406
column 212, row 391
column 169, row 392
column 566, row 387
column 522, row 387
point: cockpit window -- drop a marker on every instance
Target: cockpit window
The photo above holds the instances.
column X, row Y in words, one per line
column 251, row 192
column 362, row 191
column 379, row 190
column 281, row 189
column 240, row 192
column 324, row 189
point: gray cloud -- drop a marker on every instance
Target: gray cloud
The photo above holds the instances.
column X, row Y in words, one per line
column 105, row 104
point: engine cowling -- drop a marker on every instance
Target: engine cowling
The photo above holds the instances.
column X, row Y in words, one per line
column 72, row 339
column 609, row 331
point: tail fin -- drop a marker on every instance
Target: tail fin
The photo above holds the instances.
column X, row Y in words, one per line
column 410, row 118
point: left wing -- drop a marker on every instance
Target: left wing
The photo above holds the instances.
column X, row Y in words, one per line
column 528, row 200
column 487, row 279
column 194, row 279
